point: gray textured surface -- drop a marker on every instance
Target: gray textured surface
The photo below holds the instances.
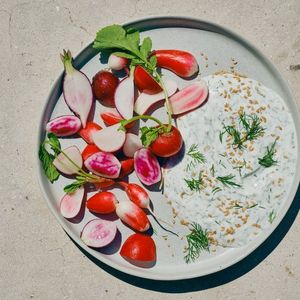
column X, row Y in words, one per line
column 37, row 258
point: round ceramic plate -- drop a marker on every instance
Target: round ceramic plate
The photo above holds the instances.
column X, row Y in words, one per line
column 217, row 46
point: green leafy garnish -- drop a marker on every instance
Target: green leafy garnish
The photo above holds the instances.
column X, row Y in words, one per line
column 75, row 185
column 227, row 180
column 216, row 190
column 272, row 216
column 195, row 154
column 149, row 135
column 195, row 184
column 197, row 241
column 268, row 159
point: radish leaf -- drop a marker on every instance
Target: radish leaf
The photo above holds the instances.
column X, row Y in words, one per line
column 47, row 163
column 149, row 135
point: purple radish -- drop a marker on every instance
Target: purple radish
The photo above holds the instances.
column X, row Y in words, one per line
column 103, row 164
column 146, row 167
column 98, row 233
column 77, row 89
column 145, row 101
column 63, row 164
column 63, row 125
column 124, row 97
column 109, row 139
column 189, row 98
column 71, row 203
column 132, row 144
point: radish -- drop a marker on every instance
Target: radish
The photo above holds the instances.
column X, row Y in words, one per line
column 86, row 133
column 98, row 233
column 116, row 62
column 132, row 144
column 71, row 203
column 111, row 117
column 189, row 97
column 103, row 164
column 77, row 89
column 63, row 125
column 127, row 166
column 132, row 215
column 102, row 203
column 109, row 139
column 124, row 97
column 147, row 167
column 145, row 101
column 64, row 165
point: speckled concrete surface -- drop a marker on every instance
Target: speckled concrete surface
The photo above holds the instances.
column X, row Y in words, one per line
column 38, row 260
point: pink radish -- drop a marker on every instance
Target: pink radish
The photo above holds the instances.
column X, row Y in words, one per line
column 132, row 144
column 147, row 167
column 103, row 164
column 145, row 101
column 63, row 125
column 132, row 215
column 77, row 89
column 71, row 203
column 189, row 97
column 98, row 233
column 124, row 98
column 109, row 139
column 64, row 165
column 116, row 62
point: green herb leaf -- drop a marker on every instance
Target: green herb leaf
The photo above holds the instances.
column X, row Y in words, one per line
column 196, row 154
column 149, row 135
column 153, row 61
column 272, row 216
column 195, row 184
column 268, row 159
column 124, row 54
column 54, row 143
column 72, row 187
column 146, row 47
column 227, row 180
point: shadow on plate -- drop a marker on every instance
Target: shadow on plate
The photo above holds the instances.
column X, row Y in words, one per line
column 215, row 279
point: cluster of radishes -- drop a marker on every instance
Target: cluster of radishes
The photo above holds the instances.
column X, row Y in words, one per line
column 105, row 145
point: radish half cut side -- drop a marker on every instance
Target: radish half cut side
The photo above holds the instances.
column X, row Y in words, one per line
column 71, row 203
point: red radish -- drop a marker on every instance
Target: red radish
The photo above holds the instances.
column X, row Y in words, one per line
column 127, row 166
column 104, row 87
column 167, row 143
column 182, row 63
column 89, row 150
column 71, row 203
column 103, row 164
column 147, row 167
column 77, row 89
column 109, row 139
column 98, row 233
column 132, row 215
column 104, row 184
column 124, row 97
column 113, row 117
column 189, row 97
column 139, row 248
column 86, row 133
column 136, row 194
column 145, row 101
column 116, row 62
column 102, row 203
column 132, row 144
column 145, row 82
column 64, row 125
column 63, row 164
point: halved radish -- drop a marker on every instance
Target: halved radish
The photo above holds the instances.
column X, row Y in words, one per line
column 109, row 139
column 63, row 125
column 86, row 133
column 147, row 167
column 98, row 233
column 145, row 82
column 124, row 97
column 132, row 144
column 189, row 97
column 89, row 150
column 103, row 164
column 145, row 101
column 64, row 165
column 127, row 166
column 71, row 203
column 116, row 62
column 111, row 117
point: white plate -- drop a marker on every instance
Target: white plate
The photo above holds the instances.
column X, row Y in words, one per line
column 219, row 45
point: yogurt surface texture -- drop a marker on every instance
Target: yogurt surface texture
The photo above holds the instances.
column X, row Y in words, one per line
column 233, row 193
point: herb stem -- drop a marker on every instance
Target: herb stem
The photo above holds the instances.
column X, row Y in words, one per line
column 135, row 118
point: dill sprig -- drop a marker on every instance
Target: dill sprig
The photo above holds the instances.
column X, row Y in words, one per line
column 195, row 184
column 196, row 155
column 272, row 216
column 268, row 159
column 227, row 180
column 197, row 241
column 216, row 190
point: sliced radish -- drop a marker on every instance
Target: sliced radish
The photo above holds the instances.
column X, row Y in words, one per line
column 132, row 144
column 98, row 233
column 64, row 125
column 127, row 166
column 103, row 164
column 147, row 167
column 189, row 97
column 86, row 133
column 111, row 116
column 145, row 101
column 89, row 150
column 63, row 164
column 71, row 203
column 124, row 98
column 77, row 89
column 109, row 139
